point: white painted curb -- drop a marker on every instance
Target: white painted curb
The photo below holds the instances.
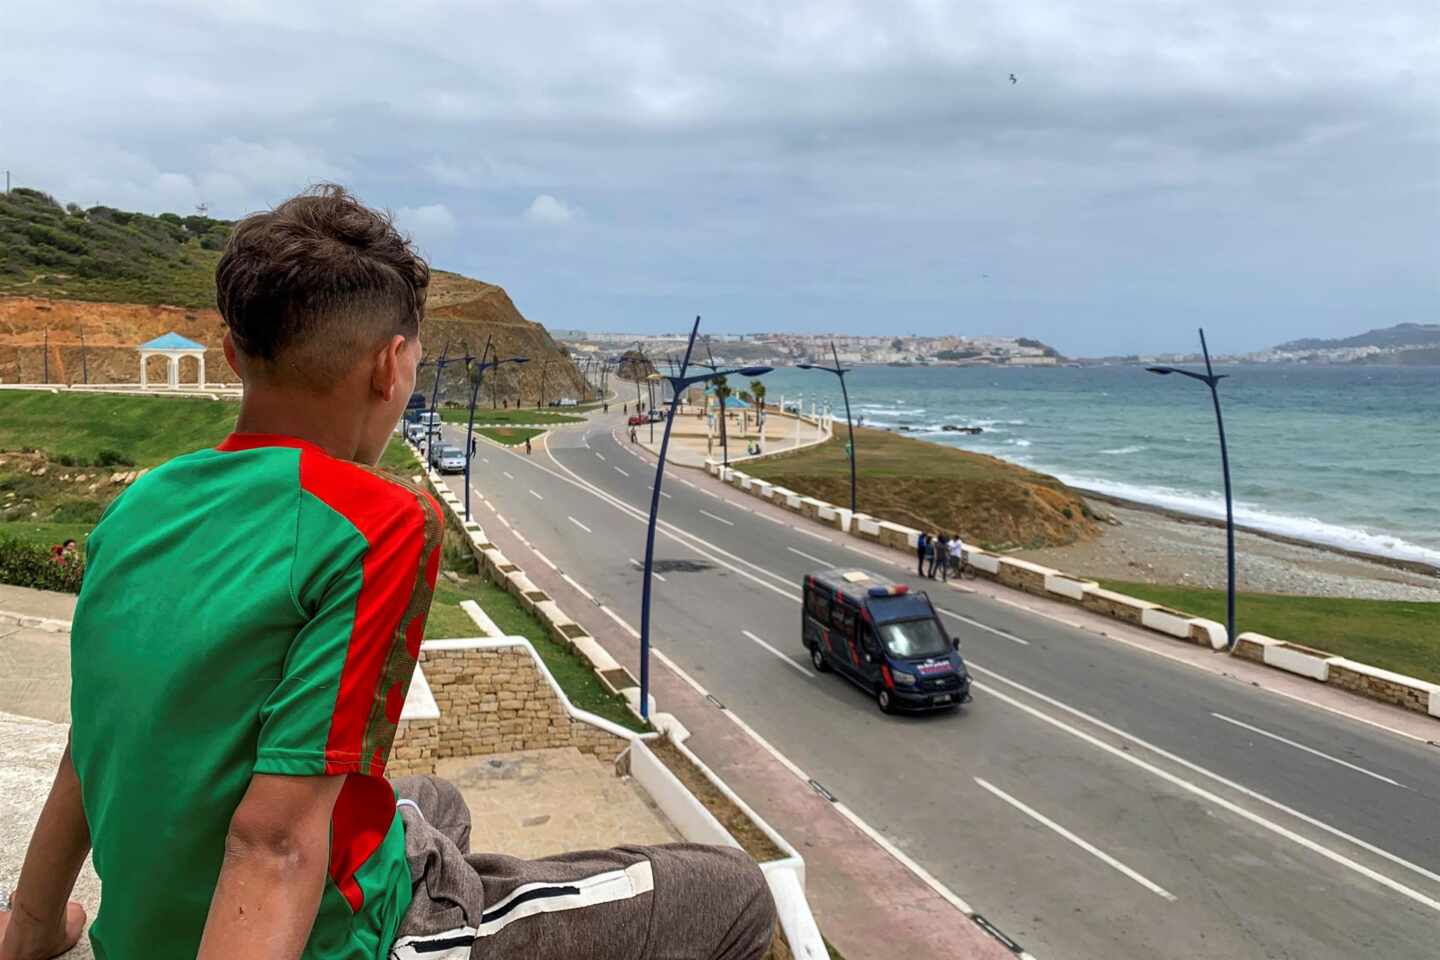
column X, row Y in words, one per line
column 1166, row 621
column 1296, row 661
column 35, row 623
column 1215, row 632
column 1070, row 587
column 785, row 877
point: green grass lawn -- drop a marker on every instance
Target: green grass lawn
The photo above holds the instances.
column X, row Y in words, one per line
column 399, row 458
column 570, row 670
column 512, row 415
column 144, row 430
column 1392, row 635
column 510, row 436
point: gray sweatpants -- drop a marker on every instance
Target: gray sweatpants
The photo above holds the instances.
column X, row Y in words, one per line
column 673, row 902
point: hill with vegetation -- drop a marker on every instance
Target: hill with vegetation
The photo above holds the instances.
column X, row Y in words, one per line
column 1400, row 335
column 933, row 487
column 81, row 288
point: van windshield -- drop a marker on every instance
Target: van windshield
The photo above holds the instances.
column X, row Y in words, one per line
column 910, row 639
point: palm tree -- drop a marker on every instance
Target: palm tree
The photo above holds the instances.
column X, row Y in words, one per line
column 722, row 390
column 757, row 390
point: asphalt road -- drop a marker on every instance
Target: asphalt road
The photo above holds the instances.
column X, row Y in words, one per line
column 1095, row 800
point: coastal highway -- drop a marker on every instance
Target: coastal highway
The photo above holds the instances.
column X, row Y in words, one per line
column 1094, row 801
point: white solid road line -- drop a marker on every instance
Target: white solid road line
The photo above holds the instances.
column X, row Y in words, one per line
column 1089, row 848
column 728, row 523
column 641, row 566
column 576, row 584
column 580, row 525
column 985, row 626
column 536, row 495
column 508, row 474
column 807, row 556
column 599, row 454
column 780, row 654
column 621, row 472
column 1214, row 798
column 810, row 533
column 1310, row 750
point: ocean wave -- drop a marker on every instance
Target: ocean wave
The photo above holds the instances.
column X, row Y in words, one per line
column 1122, row 451
column 1018, row 442
column 1309, row 529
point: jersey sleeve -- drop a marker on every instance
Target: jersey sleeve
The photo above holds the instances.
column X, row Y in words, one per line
column 366, row 559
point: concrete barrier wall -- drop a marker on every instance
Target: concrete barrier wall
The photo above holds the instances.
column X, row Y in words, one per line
column 1024, row 575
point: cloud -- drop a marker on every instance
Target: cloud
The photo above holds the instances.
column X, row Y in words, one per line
column 546, row 209
column 430, row 225
column 819, row 164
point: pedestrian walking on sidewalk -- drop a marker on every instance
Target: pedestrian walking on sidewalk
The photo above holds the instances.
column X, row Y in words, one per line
column 942, row 558
column 922, row 548
column 527, row 446
column 932, row 551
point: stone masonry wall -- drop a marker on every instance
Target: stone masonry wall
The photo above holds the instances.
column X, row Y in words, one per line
column 491, row 701
column 1378, row 688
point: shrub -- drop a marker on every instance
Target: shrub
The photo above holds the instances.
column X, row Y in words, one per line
column 32, row 565
column 457, row 553
column 112, row 458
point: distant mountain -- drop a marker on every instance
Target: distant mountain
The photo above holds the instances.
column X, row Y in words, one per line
column 1400, row 335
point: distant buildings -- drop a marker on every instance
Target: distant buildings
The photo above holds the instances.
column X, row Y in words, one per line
column 762, row 347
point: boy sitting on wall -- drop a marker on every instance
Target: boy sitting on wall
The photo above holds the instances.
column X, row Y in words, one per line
column 247, row 630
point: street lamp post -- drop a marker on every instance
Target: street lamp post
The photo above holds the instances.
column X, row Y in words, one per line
column 440, row 366
column 678, row 385
column 477, row 373
column 1212, row 380
column 840, row 372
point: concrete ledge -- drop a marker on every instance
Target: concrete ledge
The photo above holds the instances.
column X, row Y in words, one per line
column 1117, row 606
column 989, row 563
column 1386, row 686
column 35, row 623
column 897, row 536
column 1167, row 621
column 1064, row 585
column 1297, row 660
column 867, row 527
column 481, row 618
column 1024, row 575
column 1252, row 646
column 1208, row 633
column 785, row 877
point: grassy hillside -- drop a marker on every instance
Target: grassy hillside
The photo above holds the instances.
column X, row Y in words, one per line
column 103, row 254
column 933, row 487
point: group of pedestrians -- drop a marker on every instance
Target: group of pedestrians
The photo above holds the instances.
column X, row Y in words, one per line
column 939, row 553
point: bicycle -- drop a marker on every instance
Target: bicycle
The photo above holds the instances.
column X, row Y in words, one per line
column 963, row 568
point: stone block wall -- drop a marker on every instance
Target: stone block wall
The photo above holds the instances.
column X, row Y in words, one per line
column 1022, row 576
column 1412, row 696
column 491, row 700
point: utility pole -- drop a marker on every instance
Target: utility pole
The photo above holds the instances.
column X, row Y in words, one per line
column 84, row 358
column 46, row 357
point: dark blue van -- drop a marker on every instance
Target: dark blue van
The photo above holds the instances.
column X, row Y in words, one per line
column 884, row 639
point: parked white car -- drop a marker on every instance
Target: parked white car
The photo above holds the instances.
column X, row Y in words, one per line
column 447, row 459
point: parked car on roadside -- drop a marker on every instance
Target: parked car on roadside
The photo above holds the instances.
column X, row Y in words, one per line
column 636, row 419
column 447, row 458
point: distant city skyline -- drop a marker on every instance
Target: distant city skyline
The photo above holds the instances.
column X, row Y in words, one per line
column 1265, row 170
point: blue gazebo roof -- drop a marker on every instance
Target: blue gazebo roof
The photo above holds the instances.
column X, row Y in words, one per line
column 732, row 402
column 172, row 341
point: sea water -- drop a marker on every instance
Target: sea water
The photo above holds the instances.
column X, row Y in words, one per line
column 1342, row 455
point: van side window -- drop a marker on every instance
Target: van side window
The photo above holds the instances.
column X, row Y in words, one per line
column 819, row 606
column 867, row 638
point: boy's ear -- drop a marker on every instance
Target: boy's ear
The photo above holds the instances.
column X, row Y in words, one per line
column 386, row 372
column 228, row 347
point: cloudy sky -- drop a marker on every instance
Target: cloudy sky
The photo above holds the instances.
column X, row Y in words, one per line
column 1267, row 168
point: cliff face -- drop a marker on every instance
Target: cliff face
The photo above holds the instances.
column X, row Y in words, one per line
column 460, row 311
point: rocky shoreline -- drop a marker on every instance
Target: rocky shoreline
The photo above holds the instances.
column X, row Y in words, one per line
column 1154, row 545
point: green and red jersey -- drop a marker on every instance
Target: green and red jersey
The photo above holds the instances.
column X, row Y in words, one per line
column 255, row 608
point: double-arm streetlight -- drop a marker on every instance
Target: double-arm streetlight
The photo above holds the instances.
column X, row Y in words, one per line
column 840, row 372
column 477, row 373
column 439, row 365
column 679, row 383
column 1212, row 380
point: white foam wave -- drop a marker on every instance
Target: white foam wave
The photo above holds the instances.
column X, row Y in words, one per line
column 1018, row 442
column 1122, row 451
column 1310, row 529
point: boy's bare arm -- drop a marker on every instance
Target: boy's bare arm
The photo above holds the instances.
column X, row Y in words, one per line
column 41, row 922
column 276, row 855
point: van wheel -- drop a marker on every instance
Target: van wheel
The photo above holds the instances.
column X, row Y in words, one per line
column 819, row 660
column 884, row 701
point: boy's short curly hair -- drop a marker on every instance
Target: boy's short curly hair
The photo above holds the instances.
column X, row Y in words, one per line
column 309, row 287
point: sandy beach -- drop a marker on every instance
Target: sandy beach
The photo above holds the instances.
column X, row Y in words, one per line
column 1155, row 546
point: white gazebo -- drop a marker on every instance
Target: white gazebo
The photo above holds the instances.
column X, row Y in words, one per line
column 172, row 347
